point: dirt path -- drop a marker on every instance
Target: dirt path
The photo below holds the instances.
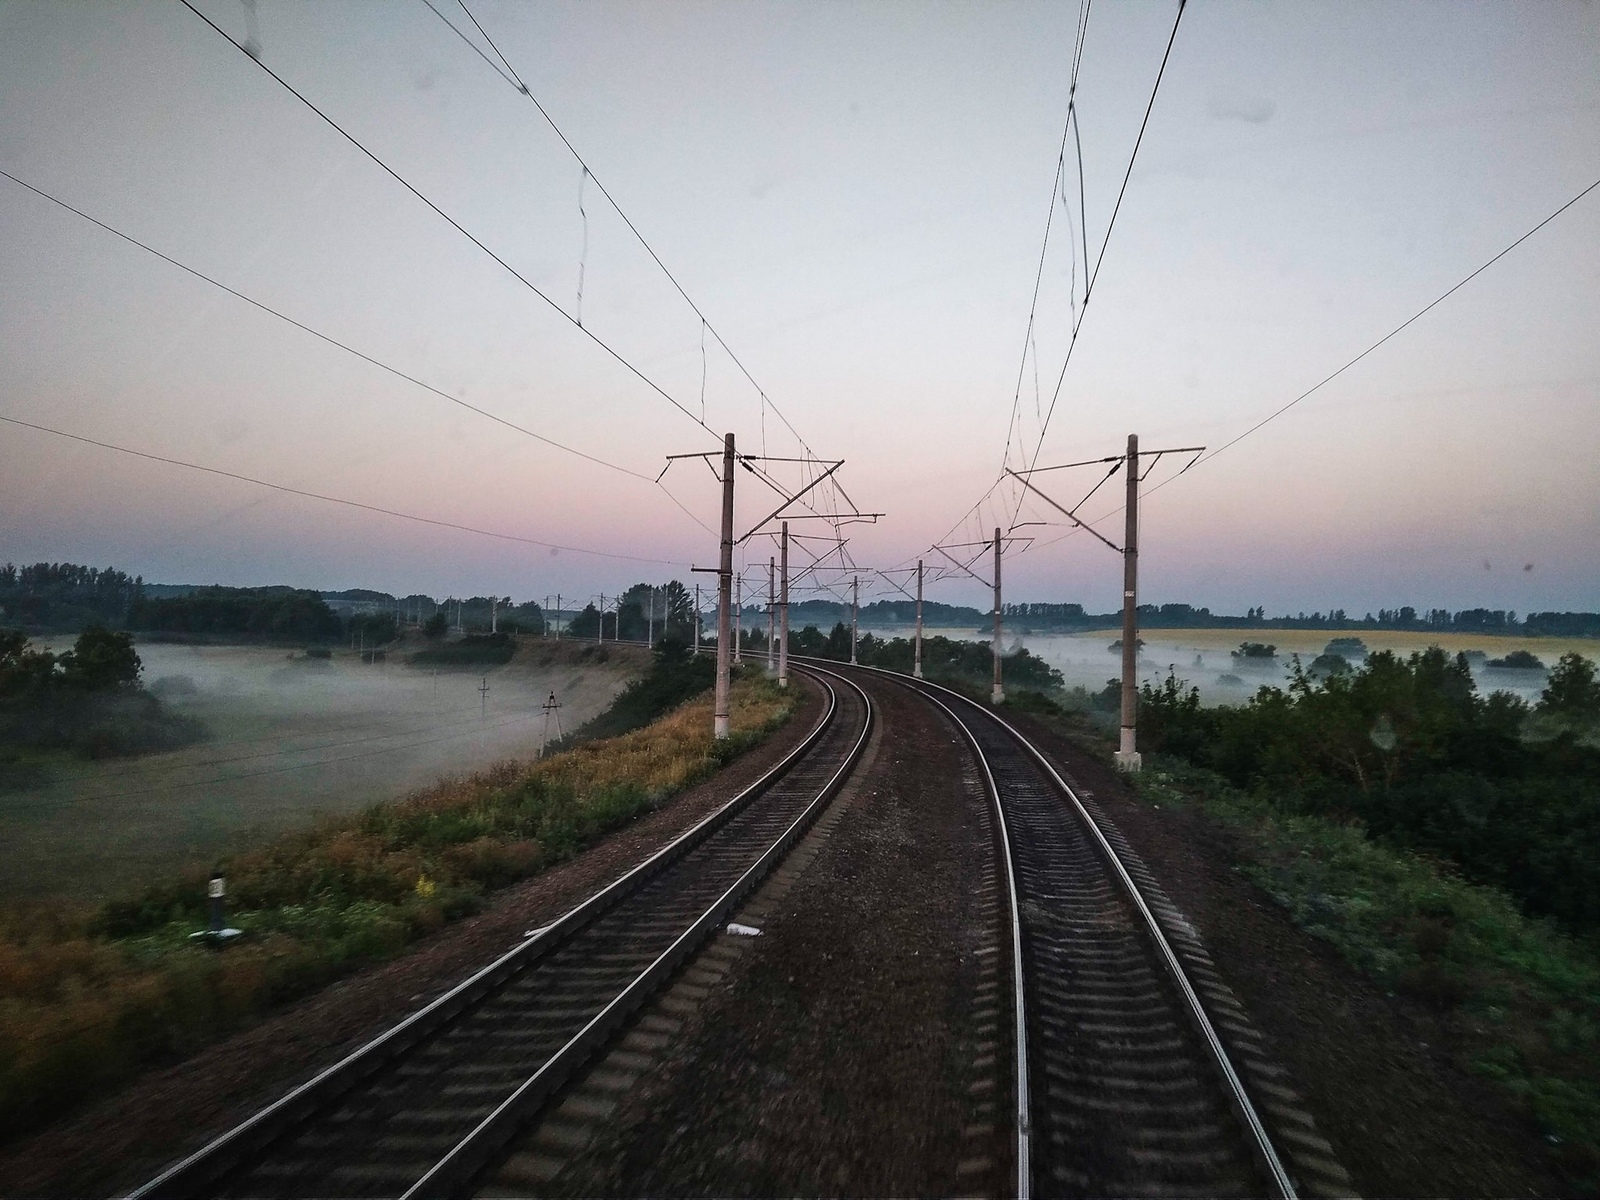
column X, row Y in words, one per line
column 119, row 1142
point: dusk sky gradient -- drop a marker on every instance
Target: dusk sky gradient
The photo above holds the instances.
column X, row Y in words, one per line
column 855, row 195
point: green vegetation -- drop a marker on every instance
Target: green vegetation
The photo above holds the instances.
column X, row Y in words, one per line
column 943, row 658
column 282, row 614
column 474, row 650
column 64, row 596
column 675, row 675
column 88, row 999
column 1446, row 842
column 87, row 701
column 1517, row 660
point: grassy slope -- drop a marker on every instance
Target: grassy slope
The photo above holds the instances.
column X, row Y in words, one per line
column 1520, row 998
column 90, row 998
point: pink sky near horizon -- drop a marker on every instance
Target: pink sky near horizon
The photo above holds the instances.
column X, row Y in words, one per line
column 855, row 198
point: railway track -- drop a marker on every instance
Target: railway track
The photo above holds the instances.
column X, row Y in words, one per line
column 422, row 1109
column 1123, row 1086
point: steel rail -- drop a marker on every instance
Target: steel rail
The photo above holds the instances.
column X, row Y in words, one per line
column 199, row 1173
column 474, row 1151
column 1260, row 1142
column 1023, row 1117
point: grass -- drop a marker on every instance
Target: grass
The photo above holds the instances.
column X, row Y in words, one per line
column 90, row 997
column 1519, row 999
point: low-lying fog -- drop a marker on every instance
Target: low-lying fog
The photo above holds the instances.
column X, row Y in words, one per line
column 292, row 739
column 1204, row 656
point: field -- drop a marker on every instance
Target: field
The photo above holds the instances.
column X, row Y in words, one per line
column 1203, row 656
column 292, row 739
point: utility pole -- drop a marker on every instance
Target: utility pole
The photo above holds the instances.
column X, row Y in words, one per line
column 772, row 615
column 738, row 618
column 552, row 708
column 558, row 616
column 916, row 669
column 721, row 725
column 494, row 614
column 1128, row 757
column 697, row 620
column 600, row 631
column 783, row 609
column 650, row 622
column 855, row 607
column 483, row 698
column 998, row 694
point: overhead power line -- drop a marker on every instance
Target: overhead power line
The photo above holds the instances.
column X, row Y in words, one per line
column 294, row 491
column 1327, row 379
column 461, row 229
column 510, row 75
column 1418, row 315
column 318, row 334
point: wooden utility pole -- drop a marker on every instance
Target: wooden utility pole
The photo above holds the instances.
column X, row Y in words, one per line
column 916, row 669
column 998, row 693
column 721, row 710
column 1128, row 757
column 783, row 607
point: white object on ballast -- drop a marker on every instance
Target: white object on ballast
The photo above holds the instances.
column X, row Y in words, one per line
column 743, row 930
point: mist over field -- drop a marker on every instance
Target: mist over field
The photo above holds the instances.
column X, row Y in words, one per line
column 292, row 738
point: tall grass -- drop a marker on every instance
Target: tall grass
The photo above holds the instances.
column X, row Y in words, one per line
column 1518, row 997
column 88, row 998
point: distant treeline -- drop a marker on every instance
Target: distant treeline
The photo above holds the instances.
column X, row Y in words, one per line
column 67, row 597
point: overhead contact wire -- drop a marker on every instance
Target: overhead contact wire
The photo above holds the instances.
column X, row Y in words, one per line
column 402, row 181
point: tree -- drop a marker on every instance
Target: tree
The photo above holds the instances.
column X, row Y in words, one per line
column 1573, row 691
column 436, row 626
column 101, row 661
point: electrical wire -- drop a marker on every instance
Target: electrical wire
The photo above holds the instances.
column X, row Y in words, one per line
column 294, row 491
column 1421, row 312
column 318, row 334
column 515, row 80
column 403, row 182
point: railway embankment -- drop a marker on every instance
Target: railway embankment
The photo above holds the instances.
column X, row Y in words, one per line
column 443, row 868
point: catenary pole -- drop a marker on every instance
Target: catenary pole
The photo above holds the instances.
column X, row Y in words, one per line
column 738, row 618
column 916, row 669
column 998, row 693
column 697, row 620
column 783, row 607
column 855, row 608
column 720, row 715
column 772, row 615
column 1128, row 757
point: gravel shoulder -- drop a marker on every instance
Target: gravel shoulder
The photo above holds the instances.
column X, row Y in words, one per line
column 120, row 1141
column 1374, row 1070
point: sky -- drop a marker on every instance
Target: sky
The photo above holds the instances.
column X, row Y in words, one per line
column 854, row 196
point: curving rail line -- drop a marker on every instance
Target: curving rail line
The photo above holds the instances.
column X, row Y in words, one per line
column 1123, row 1086
column 423, row 1108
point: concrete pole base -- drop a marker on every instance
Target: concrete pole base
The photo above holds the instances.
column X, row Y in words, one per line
column 853, row 661
column 997, row 695
column 719, row 727
column 1129, row 761
column 783, row 681
column 916, row 671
